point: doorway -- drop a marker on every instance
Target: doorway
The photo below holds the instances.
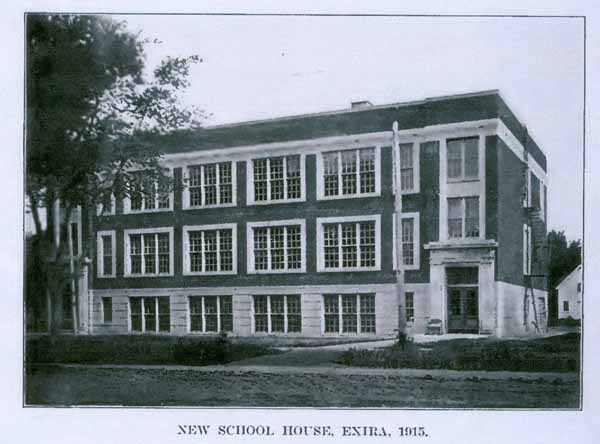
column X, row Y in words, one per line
column 463, row 299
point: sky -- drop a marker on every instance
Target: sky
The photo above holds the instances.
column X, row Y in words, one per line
column 262, row 67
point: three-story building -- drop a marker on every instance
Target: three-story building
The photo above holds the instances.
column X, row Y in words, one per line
column 288, row 226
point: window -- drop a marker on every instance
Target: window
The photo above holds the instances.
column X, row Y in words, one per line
column 409, row 306
column 349, row 243
column 565, row 305
column 277, row 246
column 463, row 158
column 349, row 173
column 146, row 194
column 277, row 314
column 150, row 314
column 410, row 241
column 527, row 251
column 107, row 205
column 408, row 246
column 210, row 249
column 349, row 313
column 579, row 287
column 409, row 168
column 107, row 310
column 67, row 308
column 210, row 185
column 536, row 197
column 277, row 179
column 74, row 233
column 106, row 246
column 463, row 217
column 149, row 252
column 211, row 314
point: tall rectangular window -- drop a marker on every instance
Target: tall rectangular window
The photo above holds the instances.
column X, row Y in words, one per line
column 409, row 243
column 209, row 249
column 527, row 250
column 147, row 194
column 409, row 306
column 210, row 184
column 535, row 192
column 463, row 158
column 349, row 313
column 276, row 246
column 150, row 314
column 463, row 217
column 277, row 178
column 74, row 231
column 408, row 246
column 349, row 172
column 277, row 314
column 211, row 314
column 348, row 244
column 149, row 253
column 106, row 253
column 407, row 168
column 107, row 310
column 565, row 305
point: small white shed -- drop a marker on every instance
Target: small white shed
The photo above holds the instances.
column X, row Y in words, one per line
column 569, row 295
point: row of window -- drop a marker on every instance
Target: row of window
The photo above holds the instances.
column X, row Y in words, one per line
column 343, row 244
column 342, row 313
column 341, row 173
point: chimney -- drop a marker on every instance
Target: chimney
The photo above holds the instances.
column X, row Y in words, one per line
column 361, row 104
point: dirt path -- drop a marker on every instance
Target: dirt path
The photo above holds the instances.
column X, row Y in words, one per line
column 261, row 386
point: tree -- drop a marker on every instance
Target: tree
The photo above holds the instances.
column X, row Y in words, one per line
column 90, row 106
column 564, row 258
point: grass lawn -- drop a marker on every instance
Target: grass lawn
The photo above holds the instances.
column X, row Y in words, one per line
column 552, row 354
column 168, row 387
column 139, row 349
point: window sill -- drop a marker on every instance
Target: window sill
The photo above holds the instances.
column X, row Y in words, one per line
column 349, row 335
column 347, row 269
column 294, row 271
column 349, row 196
column 157, row 210
column 208, row 207
column 148, row 275
column 264, row 334
column 275, row 202
column 209, row 273
column 107, row 276
column 465, row 179
column 406, row 192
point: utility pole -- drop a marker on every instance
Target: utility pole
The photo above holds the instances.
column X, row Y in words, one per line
column 398, row 214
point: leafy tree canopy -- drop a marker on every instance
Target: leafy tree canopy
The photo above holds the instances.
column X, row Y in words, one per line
column 88, row 100
column 564, row 257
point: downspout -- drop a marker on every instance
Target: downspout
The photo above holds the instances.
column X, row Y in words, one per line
column 398, row 214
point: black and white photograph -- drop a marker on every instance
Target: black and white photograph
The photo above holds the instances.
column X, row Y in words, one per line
column 331, row 212
column 270, row 223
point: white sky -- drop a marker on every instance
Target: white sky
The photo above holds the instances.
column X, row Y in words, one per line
column 259, row 67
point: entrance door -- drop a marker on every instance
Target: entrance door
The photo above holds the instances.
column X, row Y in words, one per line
column 463, row 310
column 463, row 300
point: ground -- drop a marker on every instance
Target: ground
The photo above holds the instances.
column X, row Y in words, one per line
column 301, row 377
